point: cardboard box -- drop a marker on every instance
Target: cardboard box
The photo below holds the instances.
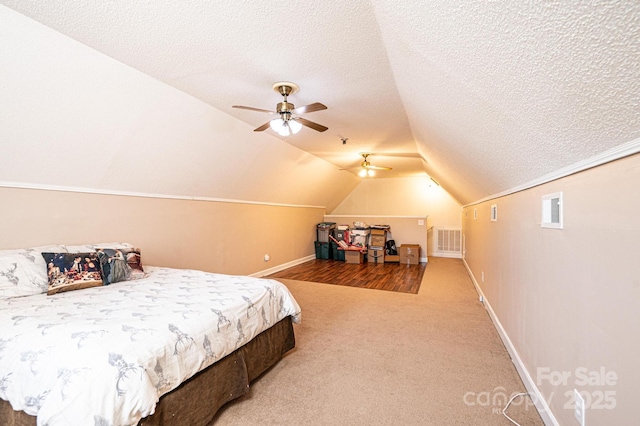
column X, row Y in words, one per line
column 409, row 254
column 353, row 256
column 375, row 256
column 391, row 258
column 378, row 238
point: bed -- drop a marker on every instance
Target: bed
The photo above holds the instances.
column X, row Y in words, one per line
column 172, row 346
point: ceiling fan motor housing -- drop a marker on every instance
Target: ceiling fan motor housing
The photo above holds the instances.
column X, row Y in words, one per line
column 284, row 107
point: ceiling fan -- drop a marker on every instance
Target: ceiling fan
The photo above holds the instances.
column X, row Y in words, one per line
column 289, row 120
column 368, row 170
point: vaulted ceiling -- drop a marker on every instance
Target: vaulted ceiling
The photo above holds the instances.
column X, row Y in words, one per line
column 481, row 95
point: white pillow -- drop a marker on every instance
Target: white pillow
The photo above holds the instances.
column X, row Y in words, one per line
column 23, row 272
column 89, row 248
column 38, row 250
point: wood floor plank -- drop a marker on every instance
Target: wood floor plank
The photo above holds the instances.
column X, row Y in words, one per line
column 378, row 276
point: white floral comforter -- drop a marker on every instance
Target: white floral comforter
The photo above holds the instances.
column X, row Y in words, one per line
column 105, row 355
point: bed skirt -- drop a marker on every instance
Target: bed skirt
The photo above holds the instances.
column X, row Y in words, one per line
column 197, row 400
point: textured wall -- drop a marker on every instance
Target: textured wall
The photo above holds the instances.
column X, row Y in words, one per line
column 499, row 93
column 493, row 94
column 73, row 117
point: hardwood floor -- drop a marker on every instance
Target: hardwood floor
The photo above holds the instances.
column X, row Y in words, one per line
column 378, row 276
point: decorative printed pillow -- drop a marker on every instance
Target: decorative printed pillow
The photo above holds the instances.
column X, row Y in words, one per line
column 120, row 264
column 72, row 271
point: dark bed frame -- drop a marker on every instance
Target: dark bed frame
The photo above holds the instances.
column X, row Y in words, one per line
column 197, row 400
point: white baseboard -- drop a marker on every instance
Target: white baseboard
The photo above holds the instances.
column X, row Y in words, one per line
column 541, row 404
column 279, row 268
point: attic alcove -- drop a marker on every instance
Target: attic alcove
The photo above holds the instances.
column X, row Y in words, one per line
column 404, row 229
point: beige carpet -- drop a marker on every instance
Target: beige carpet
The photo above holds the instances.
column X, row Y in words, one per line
column 367, row 357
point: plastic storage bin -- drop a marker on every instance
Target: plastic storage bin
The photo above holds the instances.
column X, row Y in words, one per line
column 323, row 250
column 324, row 230
column 359, row 237
column 342, row 233
column 337, row 254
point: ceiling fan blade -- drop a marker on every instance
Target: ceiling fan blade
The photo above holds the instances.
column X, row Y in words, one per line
column 378, row 167
column 265, row 126
column 311, row 124
column 317, row 106
column 253, row 109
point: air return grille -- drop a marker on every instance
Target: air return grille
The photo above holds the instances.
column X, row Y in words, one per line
column 448, row 242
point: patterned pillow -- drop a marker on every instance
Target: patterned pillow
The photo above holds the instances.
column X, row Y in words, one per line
column 28, row 252
column 21, row 277
column 120, row 264
column 72, row 271
column 88, row 248
column 23, row 272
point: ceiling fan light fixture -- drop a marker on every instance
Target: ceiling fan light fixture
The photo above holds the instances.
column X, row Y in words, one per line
column 363, row 173
column 285, row 127
column 276, row 124
column 295, row 126
column 370, row 173
column 280, row 126
column 284, row 130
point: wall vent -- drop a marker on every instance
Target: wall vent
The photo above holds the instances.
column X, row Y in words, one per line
column 448, row 242
column 552, row 210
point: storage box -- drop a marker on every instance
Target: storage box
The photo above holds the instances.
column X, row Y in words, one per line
column 342, row 235
column 359, row 237
column 353, row 256
column 375, row 256
column 325, row 229
column 410, row 254
column 323, row 250
column 391, row 258
column 336, row 254
column 378, row 238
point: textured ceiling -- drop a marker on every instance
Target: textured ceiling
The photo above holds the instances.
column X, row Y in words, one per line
column 491, row 94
